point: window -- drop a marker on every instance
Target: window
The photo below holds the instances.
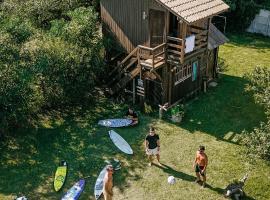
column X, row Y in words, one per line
column 182, row 73
column 195, row 70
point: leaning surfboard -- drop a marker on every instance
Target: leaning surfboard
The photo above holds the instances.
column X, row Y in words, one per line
column 120, row 142
column 60, row 176
column 99, row 183
column 115, row 123
column 74, row 192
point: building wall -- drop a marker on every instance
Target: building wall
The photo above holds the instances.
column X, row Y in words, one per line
column 128, row 20
column 188, row 85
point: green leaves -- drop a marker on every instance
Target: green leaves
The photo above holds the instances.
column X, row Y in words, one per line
column 258, row 141
column 49, row 57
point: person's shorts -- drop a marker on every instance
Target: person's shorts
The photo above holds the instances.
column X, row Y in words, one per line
column 152, row 152
column 199, row 169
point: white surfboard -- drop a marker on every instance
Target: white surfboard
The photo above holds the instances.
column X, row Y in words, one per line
column 99, row 183
column 115, row 123
column 120, row 142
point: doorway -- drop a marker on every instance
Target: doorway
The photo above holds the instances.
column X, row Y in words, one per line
column 156, row 27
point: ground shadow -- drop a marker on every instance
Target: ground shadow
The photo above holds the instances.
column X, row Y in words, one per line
column 224, row 111
column 167, row 169
column 29, row 160
column 250, row 40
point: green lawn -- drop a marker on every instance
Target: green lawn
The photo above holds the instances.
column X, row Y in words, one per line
column 214, row 119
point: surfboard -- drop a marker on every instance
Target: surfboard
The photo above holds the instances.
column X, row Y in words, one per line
column 60, row 176
column 120, row 142
column 99, row 183
column 115, row 123
column 75, row 191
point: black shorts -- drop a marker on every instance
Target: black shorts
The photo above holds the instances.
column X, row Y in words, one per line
column 198, row 169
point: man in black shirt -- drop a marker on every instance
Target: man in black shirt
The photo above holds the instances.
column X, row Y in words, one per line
column 152, row 145
column 132, row 115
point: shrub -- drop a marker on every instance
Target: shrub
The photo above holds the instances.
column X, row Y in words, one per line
column 258, row 141
column 46, row 66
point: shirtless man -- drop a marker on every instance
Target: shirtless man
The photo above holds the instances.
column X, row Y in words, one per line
column 200, row 164
column 108, row 183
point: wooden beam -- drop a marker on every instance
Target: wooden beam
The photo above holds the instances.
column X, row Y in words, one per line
column 183, row 37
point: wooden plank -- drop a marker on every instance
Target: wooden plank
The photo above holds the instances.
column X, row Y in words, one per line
column 159, row 54
column 197, row 28
column 174, row 39
column 174, row 46
column 183, row 36
column 133, row 53
column 174, row 52
column 159, row 47
column 140, row 88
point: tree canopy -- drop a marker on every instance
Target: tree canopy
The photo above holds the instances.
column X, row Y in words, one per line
column 50, row 56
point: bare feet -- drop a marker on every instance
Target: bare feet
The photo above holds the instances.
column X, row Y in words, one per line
column 197, row 181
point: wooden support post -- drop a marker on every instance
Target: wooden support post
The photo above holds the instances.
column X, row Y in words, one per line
column 134, row 91
column 170, row 84
column 183, row 34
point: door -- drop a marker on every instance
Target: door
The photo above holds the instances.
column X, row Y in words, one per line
column 156, row 27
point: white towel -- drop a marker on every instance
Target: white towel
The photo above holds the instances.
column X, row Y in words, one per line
column 190, row 44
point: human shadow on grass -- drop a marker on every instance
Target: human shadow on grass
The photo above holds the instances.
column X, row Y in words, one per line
column 224, row 112
column 255, row 41
column 28, row 162
column 183, row 176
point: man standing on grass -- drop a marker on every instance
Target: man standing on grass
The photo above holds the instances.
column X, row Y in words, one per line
column 108, row 183
column 152, row 145
column 200, row 165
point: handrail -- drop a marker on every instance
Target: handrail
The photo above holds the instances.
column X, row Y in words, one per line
column 129, row 56
column 145, row 48
column 159, row 46
column 174, row 39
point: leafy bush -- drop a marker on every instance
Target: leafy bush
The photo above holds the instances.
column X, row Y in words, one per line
column 259, row 86
column 49, row 57
column 258, row 141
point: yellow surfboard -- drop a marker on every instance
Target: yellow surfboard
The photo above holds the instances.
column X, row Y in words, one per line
column 60, row 176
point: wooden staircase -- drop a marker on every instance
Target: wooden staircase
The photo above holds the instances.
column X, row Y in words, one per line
column 124, row 72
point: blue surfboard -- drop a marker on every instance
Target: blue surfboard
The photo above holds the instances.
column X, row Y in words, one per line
column 75, row 191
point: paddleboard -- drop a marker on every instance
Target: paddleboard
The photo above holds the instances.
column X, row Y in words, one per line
column 60, row 176
column 74, row 192
column 120, row 142
column 99, row 183
column 115, row 123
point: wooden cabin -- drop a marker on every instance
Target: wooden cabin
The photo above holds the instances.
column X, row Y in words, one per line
column 170, row 46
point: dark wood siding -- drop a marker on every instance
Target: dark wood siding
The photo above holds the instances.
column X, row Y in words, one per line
column 125, row 20
column 188, row 86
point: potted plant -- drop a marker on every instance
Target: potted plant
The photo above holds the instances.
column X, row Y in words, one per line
column 177, row 113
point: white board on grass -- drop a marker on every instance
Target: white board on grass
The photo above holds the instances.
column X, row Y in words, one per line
column 115, row 123
column 99, row 183
column 120, row 142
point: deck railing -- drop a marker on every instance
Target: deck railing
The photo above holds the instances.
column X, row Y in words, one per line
column 176, row 48
column 152, row 57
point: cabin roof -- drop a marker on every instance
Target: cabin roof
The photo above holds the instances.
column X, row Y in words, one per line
column 194, row 10
column 216, row 37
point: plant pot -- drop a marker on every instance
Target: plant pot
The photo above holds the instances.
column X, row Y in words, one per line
column 176, row 118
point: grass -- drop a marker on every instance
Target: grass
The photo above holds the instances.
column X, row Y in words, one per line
column 215, row 119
